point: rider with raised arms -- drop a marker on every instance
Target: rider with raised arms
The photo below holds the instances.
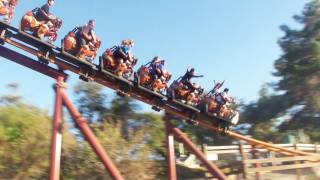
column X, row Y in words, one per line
column 186, row 78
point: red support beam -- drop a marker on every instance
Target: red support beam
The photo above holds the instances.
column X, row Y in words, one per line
column 30, row 63
column 214, row 170
column 171, row 160
column 93, row 141
column 56, row 141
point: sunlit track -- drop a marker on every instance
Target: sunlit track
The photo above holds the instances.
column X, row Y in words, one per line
column 53, row 55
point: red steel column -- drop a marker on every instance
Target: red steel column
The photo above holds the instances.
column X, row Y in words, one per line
column 172, row 172
column 56, row 132
column 214, row 170
column 90, row 137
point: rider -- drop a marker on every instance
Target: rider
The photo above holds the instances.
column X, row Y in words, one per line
column 86, row 35
column 157, row 68
column 43, row 14
column 123, row 52
column 186, row 78
column 6, row 9
column 223, row 98
column 216, row 89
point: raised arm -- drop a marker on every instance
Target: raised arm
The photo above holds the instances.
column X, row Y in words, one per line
column 197, row 76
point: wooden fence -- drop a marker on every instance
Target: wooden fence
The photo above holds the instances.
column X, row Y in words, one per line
column 257, row 160
column 235, row 149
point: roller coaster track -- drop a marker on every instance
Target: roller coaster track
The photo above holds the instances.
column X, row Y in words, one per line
column 48, row 54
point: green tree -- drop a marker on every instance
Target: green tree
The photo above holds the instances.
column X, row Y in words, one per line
column 25, row 139
column 13, row 97
column 133, row 140
column 25, row 142
column 91, row 100
column 295, row 102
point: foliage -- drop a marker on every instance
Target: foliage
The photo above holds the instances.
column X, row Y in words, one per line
column 295, row 102
column 91, row 100
column 24, row 140
column 133, row 140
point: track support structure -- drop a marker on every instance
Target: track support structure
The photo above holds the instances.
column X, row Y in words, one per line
column 180, row 136
column 13, row 37
column 171, row 160
column 56, row 141
column 61, row 100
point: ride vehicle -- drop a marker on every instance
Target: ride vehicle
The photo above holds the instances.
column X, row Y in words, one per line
column 118, row 62
column 7, row 9
column 189, row 96
column 71, row 45
column 210, row 105
column 155, row 83
column 41, row 29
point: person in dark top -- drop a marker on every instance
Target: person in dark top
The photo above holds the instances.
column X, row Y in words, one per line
column 43, row 14
column 186, row 78
column 123, row 52
column 157, row 68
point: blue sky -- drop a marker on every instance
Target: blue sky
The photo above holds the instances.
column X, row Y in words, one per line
column 227, row 40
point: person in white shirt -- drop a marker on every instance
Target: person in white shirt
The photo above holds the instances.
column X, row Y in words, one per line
column 223, row 97
column 86, row 35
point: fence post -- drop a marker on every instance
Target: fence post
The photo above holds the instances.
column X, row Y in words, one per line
column 204, row 149
column 181, row 150
column 298, row 171
column 272, row 155
column 255, row 155
column 243, row 158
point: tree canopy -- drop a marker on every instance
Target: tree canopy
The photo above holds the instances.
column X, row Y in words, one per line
column 294, row 102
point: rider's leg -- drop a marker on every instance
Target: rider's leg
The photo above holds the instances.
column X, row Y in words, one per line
column 82, row 43
column 43, row 29
column 154, row 76
column 189, row 85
